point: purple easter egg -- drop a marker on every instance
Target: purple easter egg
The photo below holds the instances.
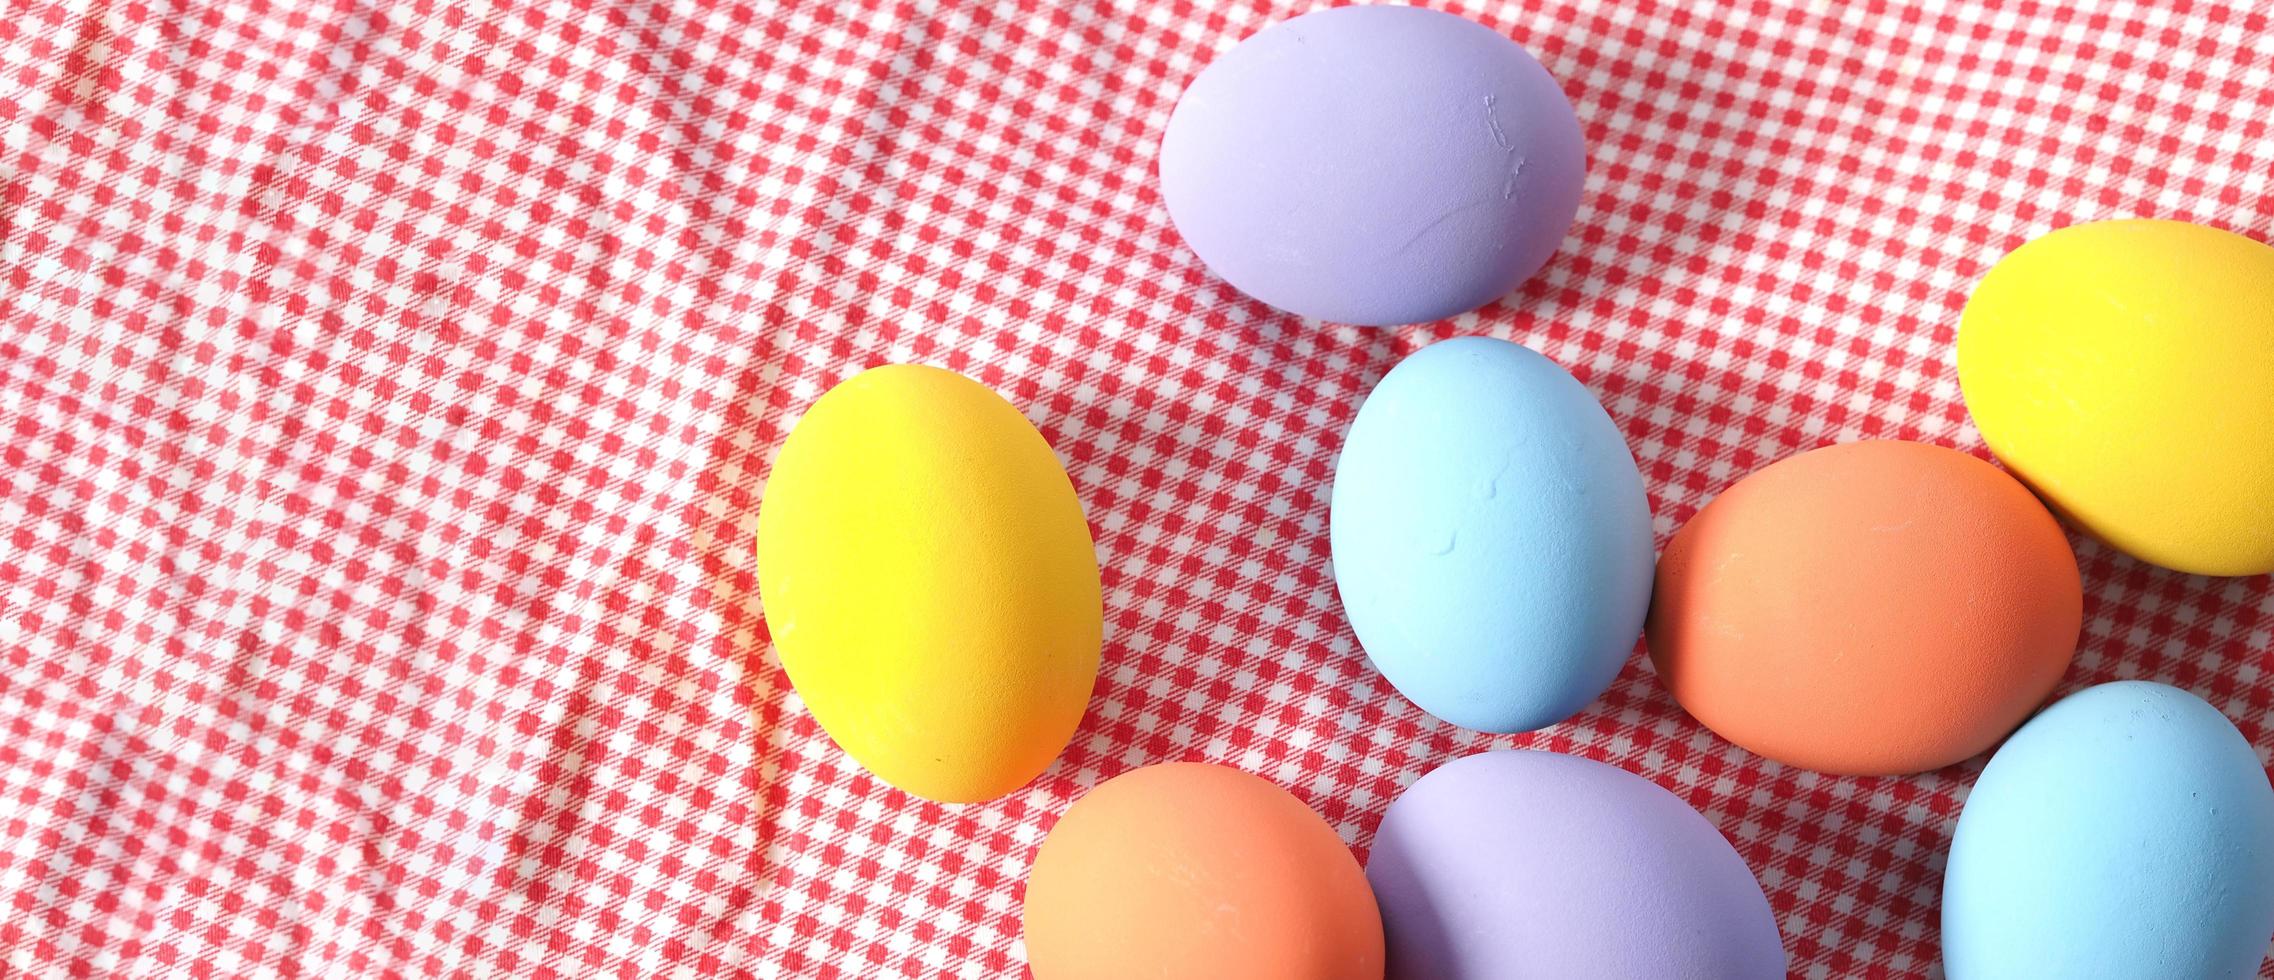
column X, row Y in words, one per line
column 1519, row 864
column 1374, row 165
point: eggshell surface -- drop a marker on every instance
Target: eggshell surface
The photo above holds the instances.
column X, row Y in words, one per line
column 1871, row 608
column 1514, row 865
column 1192, row 870
column 1491, row 536
column 930, row 583
column 2127, row 831
column 2125, row 371
column 1374, row 165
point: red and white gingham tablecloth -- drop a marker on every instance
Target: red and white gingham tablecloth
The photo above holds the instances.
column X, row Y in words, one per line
column 387, row 389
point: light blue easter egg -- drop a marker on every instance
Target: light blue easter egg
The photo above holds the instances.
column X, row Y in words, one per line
column 2127, row 831
column 1491, row 536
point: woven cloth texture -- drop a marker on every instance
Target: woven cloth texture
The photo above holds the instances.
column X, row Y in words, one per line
column 387, row 391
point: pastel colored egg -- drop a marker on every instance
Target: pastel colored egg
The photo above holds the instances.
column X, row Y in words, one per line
column 930, row 583
column 1491, row 536
column 2127, row 831
column 1191, row 870
column 1871, row 608
column 2125, row 371
column 1516, row 865
column 1374, row 165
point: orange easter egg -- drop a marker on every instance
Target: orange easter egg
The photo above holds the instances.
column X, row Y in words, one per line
column 1192, row 870
column 1871, row 608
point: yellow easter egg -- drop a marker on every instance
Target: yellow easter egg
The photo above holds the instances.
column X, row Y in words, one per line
column 2125, row 371
column 930, row 583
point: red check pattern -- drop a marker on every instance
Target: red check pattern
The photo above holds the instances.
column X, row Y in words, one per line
column 387, row 390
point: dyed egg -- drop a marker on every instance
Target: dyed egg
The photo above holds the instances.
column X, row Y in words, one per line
column 930, row 583
column 1512, row 865
column 1868, row 609
column 1491, row 536
column 2128, row 831
column 1191, row 870
column 2125, row 371
column 1374, row 165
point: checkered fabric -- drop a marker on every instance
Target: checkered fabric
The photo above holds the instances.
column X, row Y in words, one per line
column 387, row 390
